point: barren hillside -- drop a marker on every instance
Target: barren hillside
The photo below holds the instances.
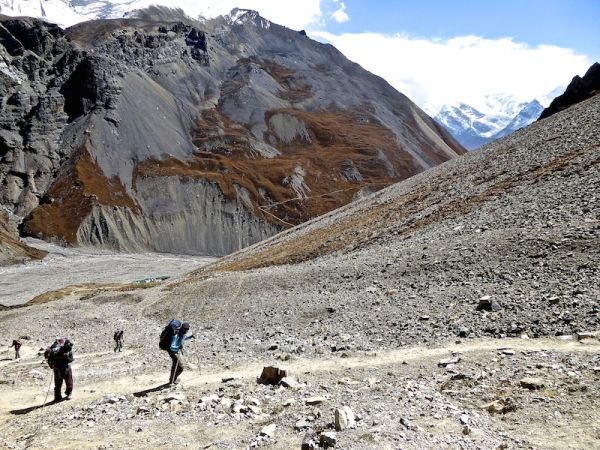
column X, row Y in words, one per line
column 166, row 134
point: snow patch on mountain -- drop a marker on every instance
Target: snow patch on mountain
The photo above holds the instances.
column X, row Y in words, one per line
column 60, row 12
column 70, row 12
column 247, row 16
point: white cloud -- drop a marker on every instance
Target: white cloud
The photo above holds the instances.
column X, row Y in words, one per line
column 463, row 69
column 340, row 14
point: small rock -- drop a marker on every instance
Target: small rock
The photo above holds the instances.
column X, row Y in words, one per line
column 289, row 382
column 463, row 332
column 143, row 410
column 208, row 402
column 508, row 352
column 226, row 403
column 309, row 442
column 302, row 424
column 344, row 418
column 587, row 335
column 253, row 401
column 255, row 410
column 271, row 375
column 487, row 304
column 328, row 439
column 314, row 400
column 269, row 430
column 494, row 407
column 464, row 419
column 532, row 383
column 238, row 407
column 37, row 374
column 448, row 361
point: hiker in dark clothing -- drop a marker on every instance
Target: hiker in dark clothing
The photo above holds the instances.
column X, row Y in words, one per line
column 17, row 345
column 60, row 357
column 118, row 337
column 176, row 350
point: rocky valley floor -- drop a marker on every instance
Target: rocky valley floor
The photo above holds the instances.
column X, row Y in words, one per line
column 63, row 267
column 458, row 309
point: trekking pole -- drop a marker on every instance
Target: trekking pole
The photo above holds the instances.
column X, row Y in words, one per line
column 48, row 390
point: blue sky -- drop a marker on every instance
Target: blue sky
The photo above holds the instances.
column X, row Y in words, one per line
column 446, row 52
column 566, row 23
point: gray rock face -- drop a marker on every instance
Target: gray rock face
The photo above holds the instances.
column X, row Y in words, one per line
column 181, row 216
column 161, row 133
column 36, row 59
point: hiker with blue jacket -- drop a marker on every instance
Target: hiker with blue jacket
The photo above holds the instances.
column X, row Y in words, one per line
column 174, row 346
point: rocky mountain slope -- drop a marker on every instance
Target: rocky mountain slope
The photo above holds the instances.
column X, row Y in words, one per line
column 458, row 308
column 12, row 249
column 473, row 128
column 578, row 90
column 177, row 136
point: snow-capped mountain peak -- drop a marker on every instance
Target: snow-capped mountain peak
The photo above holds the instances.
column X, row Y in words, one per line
column 239, row 16
column 501, row 116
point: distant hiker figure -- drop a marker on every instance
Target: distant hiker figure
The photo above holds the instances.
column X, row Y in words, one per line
column 171, row 340
column 60, row 356
column 17, row 345
column 118, row 337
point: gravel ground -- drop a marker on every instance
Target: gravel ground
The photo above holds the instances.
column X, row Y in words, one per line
column 459, row 309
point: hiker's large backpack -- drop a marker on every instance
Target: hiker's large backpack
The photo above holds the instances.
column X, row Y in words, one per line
column 166, row 336
column 53, row 352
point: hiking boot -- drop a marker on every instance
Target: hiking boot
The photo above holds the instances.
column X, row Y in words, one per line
column 68, row 397
column 58, row 399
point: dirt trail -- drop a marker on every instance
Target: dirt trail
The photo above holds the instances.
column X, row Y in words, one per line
column 11, row 399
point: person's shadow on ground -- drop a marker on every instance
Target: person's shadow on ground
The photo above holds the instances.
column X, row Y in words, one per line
column 150, row 390
column 19, row 412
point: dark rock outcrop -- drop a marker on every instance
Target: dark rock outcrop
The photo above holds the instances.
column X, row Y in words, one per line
column 580, row 89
